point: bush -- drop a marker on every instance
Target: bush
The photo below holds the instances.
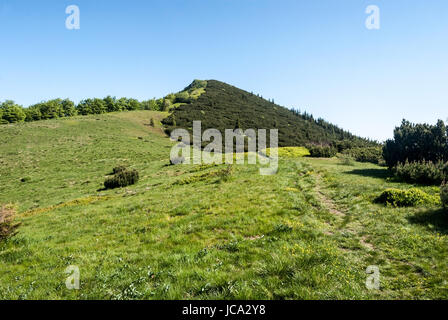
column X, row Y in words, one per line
column 150, row 105
column 444, row 195
column 32, row 114
column 91, row 106
column 322, row 151
column 423, row 172
column 68, row 108
column 7, row 226
column 406, row 198
column 48, row 110
column 11, row 112
column 118, row 169
column 346, row 160
column 365, row 154
column 122, row 179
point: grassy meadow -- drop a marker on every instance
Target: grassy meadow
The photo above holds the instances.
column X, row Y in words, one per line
column 203, row 231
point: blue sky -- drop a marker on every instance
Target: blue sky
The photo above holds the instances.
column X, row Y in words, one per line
column 316, row 55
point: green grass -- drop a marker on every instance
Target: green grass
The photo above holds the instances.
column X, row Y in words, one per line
column 203, row 231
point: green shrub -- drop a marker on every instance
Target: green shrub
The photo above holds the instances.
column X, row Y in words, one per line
column 118, row 169
column 444, row 195
column 423, row 172
column 322, row 151
column 346, row 160
column 7, row 226
column 122, row 179
column 150, row 105
column 407, row 198
column 365, row 154
column 11, row 112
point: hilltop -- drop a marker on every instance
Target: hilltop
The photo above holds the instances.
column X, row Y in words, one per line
column 222, row 106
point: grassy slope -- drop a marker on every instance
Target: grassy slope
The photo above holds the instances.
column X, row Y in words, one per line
column 308, row 232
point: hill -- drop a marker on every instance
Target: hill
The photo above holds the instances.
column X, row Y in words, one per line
column 201, row 231
column 223, row 106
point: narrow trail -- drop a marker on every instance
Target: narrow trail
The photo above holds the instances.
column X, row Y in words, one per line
column 325, row 200
column 332, row 207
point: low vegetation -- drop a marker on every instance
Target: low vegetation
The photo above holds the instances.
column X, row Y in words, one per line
column 122, row 177
column 319, row 151
column 366, row 154
column 422, row 172
column 407, row 198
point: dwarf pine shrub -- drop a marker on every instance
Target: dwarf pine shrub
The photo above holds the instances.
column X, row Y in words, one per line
column 118, row 169
column 423, row 172
column 122, row 179
column 322, row 151
column 407, row 198
column 365, row 154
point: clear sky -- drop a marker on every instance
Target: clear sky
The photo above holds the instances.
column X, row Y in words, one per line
column 316, row 55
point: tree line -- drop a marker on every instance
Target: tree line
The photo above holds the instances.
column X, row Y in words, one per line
column 10, row 112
